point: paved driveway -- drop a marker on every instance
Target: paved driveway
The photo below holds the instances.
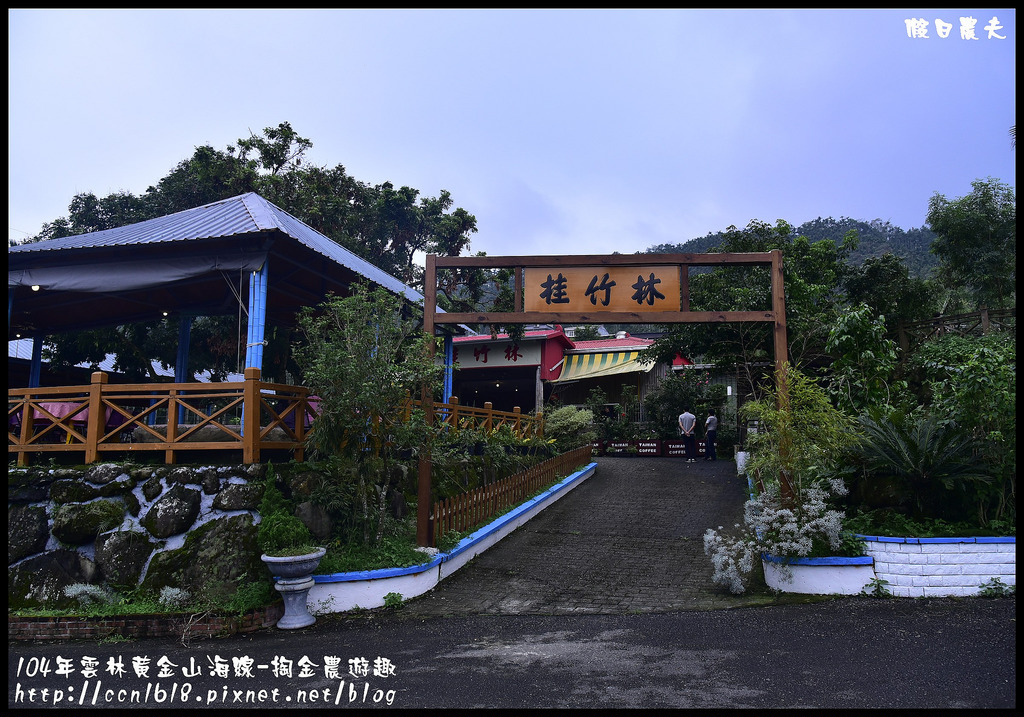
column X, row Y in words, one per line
column 604, row 600
column 628, row 540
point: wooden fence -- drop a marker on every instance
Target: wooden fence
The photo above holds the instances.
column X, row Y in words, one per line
column 249, row 417
column 462, row 512
column 978, row 322
column 486, row 419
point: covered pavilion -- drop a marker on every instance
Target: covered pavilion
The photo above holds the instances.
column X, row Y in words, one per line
column 238, row 254
column 205, row 261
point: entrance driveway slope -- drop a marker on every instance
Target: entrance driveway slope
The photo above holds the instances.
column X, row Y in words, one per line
column 629, row 540
column 603, row 600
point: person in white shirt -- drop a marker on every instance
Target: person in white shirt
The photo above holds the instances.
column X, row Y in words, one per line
column 710, row 435
column 688, row 425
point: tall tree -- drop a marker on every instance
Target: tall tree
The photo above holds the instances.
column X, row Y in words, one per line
column 976, row 241
column 813, row 272
column 385, row 225
column 884, row 284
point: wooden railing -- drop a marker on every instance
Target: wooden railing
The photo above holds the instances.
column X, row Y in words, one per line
column 470, row 509
column 978, row 322
column 486, row 419
column 250, row 417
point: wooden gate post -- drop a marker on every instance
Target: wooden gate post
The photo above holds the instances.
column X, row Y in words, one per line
column 250, row 416
column 424, row 464
column 781, row 368
column 96, row 423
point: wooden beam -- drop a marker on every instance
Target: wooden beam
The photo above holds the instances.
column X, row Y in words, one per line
column 747, row 259
column 612, row 317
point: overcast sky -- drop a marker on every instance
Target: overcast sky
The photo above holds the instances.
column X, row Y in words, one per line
column 562, row 131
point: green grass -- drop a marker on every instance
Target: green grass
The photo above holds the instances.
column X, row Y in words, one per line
column 248, row 596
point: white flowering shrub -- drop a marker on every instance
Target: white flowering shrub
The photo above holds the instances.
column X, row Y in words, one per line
column 809, row 529
column 800, row 441
column 88, row 595
column 173, row 598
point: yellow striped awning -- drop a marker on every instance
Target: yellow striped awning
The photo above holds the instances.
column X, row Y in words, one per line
column 604, row 363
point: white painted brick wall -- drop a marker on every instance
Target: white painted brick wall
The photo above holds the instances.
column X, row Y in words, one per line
column 937, row 567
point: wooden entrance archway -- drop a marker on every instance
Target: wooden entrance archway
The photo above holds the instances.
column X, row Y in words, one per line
column 599, row 289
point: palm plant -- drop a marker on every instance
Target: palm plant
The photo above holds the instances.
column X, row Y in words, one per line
column 924, row 457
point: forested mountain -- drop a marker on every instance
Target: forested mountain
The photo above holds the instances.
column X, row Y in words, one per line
column 875, row 239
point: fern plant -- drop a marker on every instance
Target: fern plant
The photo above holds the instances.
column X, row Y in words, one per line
column 924, row 457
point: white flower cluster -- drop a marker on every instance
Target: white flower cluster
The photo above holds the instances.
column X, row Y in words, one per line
column 88, row 595
column 785, row 532
column 174, row 598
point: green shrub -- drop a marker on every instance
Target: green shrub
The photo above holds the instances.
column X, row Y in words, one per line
column 570, row 427
column 920, row 465
column 279, row 532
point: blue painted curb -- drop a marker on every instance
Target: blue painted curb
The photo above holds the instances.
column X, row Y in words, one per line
column 466, row 543
column 925, row 541
column 499, row 523
column 831, row 560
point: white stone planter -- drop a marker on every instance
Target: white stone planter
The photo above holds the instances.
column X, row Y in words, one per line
column 818, row 576
column 942, row 567
column 294, row 575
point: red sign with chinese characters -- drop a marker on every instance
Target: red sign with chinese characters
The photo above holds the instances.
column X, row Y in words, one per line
column 496, row 354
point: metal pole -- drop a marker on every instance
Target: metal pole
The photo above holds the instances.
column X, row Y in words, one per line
column 449, row 354
column 181, row 361
column 36, row 367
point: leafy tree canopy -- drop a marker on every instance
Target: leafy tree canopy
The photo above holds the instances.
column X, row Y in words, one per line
column 976, row 238
column 885, row 285
column 384, row 224
column 814, row 272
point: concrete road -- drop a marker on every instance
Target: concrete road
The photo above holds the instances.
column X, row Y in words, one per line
column 604, row 600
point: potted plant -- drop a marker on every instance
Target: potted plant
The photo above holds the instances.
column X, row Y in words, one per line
column 292, row 562
column 289, row 552
column 789, row 522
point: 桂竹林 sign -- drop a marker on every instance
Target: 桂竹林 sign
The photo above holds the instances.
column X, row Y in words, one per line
column 587, row 288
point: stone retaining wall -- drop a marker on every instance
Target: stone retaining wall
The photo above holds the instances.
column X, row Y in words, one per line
column 942, row 567
column 129, row 527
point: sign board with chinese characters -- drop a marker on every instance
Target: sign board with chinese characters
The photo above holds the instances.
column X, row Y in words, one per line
column 616, row 289
column 502, row 355
column 595, row 288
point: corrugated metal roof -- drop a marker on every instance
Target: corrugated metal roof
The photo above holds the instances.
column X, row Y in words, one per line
column 612, row 344
column 228, row 217
column 540, row 334
column 245, row 214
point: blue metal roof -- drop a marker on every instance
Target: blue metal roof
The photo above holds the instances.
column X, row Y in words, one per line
column 245, row 214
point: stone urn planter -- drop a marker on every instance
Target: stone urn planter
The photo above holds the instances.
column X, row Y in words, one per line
column 294, row 578
column 818, row 576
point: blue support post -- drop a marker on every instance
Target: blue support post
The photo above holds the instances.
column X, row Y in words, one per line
column 257, row 323
column 449, row 352
column 36, row 367
column 257, row 318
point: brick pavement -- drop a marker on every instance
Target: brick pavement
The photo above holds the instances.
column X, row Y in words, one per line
column 628, row 540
